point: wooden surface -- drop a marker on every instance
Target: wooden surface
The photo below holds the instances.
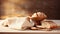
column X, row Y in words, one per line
column 6, row 30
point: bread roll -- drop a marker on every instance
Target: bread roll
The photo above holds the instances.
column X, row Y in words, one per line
column 49, row 24
column 38, row 16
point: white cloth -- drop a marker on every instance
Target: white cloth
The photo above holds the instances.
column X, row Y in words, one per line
column 18, row 23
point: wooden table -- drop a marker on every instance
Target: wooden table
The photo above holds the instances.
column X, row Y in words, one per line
column 6, row 30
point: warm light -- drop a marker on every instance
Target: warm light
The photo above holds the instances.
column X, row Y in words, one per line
column 11, row 9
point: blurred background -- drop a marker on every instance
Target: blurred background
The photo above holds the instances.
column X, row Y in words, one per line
column 10, row 8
